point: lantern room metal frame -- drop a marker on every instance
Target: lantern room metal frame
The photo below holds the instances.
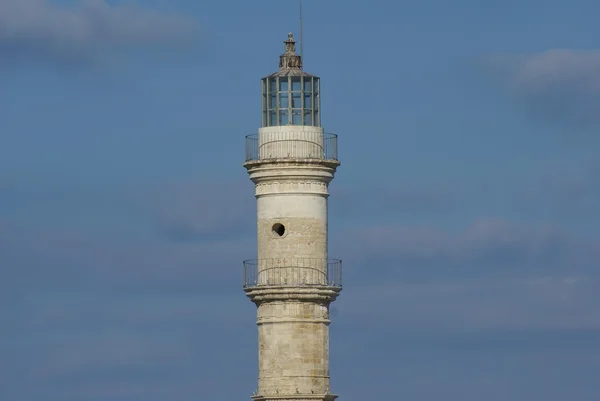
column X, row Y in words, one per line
column 291, row 96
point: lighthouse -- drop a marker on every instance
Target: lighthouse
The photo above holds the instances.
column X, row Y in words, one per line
column 291, row 161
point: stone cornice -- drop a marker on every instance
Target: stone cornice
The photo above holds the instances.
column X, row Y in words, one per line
column 287, row 167
column 291, row 187
column 330, row 163
column 320, row 294
column 296, row 397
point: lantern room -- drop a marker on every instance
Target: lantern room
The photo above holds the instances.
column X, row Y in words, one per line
column 290, row 96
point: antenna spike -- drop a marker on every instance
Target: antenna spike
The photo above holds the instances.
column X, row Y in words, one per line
column 301, row 41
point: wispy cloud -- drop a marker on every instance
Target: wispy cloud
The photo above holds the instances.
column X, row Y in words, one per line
column 76, row 296
column 571, row 191
column 63, row 259
column 560, row 84
column 494, row 274
column 558, row 302
column 393, row 198
column 45, row 30
column 77, row 299
column 77, row 345
column 487, row 246
column 184, row 212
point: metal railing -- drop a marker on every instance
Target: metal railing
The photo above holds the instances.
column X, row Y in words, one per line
column 291, row 145
column 292, row 272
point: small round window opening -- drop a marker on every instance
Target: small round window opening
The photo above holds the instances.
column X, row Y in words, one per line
column 278, row 229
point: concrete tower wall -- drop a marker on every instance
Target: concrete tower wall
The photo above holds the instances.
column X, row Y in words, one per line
column 293, row 331
column 298, row 141
column 293, row 335
column 293, row 352
column 301, row 218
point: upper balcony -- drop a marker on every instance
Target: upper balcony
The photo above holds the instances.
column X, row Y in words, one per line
column 289, row 145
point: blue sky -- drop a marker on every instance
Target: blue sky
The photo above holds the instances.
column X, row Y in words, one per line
column 465, row 209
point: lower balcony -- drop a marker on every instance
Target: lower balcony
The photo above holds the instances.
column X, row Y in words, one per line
column 292, row 272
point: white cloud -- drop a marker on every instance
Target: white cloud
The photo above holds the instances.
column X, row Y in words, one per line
column 568, row 69
column 561, row 84
column 44, row 28
column 571, row 69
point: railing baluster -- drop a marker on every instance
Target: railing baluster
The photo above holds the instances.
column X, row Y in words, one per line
column 292, row 272
column 300, row 145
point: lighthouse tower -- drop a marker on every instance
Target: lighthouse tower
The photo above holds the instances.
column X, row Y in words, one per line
column 292, row 282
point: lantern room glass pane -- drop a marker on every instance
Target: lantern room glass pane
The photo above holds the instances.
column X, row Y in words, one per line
column 307, row 84
column 296, row 84
column 283, row 117
column 290, row 101
column 297, row 117
column 283, row 100
column 308, row 117
column 307, row 101
column 296, row 100
column 283, row 84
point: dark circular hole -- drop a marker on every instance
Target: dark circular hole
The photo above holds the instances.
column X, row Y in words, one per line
column 279, row 229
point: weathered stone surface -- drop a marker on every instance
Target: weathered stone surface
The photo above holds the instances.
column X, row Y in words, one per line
column 293, row 332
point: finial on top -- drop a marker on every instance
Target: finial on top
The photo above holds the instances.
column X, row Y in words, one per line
column 290, row 44
column 290, row 59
